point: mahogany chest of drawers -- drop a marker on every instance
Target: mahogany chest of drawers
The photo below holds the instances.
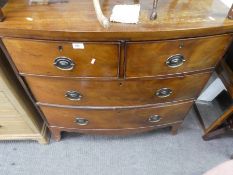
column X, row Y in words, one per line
column 122, row 80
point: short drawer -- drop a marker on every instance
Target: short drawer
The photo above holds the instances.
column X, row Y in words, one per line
column 130, row 92
column 177, row 56
column 97, row 59
column 116, row 119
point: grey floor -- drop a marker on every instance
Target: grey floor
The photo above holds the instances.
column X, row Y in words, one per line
column 154, row 153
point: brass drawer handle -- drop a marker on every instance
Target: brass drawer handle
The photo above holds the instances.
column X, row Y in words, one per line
column 154, row 118
column 73, row 95
column 64, row 63
column 163, row 93
column 81, row 121
column 175, row 61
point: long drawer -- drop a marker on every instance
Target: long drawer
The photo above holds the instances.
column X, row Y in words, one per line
column 77, row 92
column 176, row 56
column 96, row 59
column 116, row 119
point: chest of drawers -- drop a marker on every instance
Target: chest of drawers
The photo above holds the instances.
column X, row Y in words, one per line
column 122, row 80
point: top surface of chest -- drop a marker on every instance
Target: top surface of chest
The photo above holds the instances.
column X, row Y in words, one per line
column 77, row 20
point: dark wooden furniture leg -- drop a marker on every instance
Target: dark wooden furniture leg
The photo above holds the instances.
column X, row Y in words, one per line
column 214, row 129
column 214, row 134
column 220, row 131
column 56, row 133
column 1, row 15
column 175, row 127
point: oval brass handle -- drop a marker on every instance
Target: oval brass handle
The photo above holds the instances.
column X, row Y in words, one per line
column 175, row 61
column 154, row 118
column 64, row 63
column 164, row 92
column 81, row 121
column 73, row 95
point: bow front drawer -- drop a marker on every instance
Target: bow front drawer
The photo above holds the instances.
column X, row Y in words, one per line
column 64, row 58
column 176, row 56
column 116, row 119
column 130, row 92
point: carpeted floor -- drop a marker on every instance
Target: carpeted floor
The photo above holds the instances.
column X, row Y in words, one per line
column 154, row 153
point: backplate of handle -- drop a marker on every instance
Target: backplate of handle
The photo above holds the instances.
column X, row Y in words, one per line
column 175, row 61
column 73, row 95
column 154, row 118
column 163, row 92
column 64, row 63
column 81, row 121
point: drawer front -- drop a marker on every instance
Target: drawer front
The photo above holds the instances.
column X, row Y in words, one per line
column 116, row 119
column 13, row 127
column 115, row 93
column 7, row 110
column 170, row 57
column 61, row 59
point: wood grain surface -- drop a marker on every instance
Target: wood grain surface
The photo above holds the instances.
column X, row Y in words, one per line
column 37, row 57
column 121, row 68
column 116, row 119
column 148, row 58
column 77, row 20
column 115, row 92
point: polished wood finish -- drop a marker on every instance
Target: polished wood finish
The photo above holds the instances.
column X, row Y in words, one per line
column 56, row 133
column 108, row 132
column 18, row 118
column 116, row 119
column 146, row 59
column 129, row 60
column 115, row 92
column 175, row 128
column 96, row 59
column 76, row 20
